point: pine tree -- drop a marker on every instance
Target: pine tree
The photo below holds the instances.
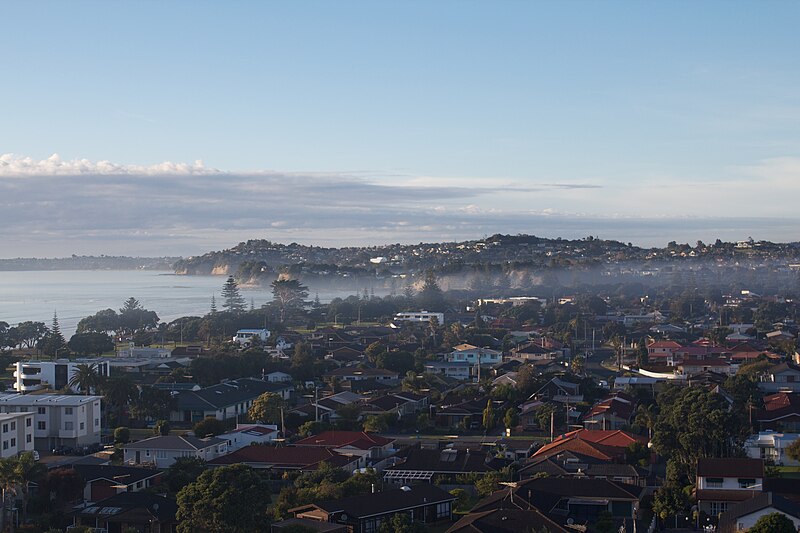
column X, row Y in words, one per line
column 233, row 300
column 213, row 304
column 54, row 342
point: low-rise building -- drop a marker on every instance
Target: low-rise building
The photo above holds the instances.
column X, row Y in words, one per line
column 771, row 446
column 162, row 451
column 59, row 419
column 35, row 375
column 245, row 337
column 722, row 483
column 17, row 433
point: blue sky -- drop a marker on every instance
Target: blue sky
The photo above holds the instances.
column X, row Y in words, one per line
column 367, row 122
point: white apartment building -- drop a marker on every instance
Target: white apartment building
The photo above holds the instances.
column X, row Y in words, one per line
column 35, row 375
column 771, row 446
column 16, row 433
column 419, row 316
column 58, row 419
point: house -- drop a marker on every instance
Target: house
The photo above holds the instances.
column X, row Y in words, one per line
column 559, row 390
column 578, row 465
column 358, row 443
column 508, row 520
column 608, row 445
column 662, row 351
column 364, row 514
column 474, row 355
column 17, row 434
column 722, row 483
column 245, row 337
column 345, row 354
column 425, row 465
column 304, row 524
column 141, row 511
column 225, row 400
column 35, row 375
column 460, row 370
column 771, row 446
column 104, row 481
column 612, row 413
column 691, row 367
column 289, row 459
column 468, row 414
column 744, row 515
column 781, row 412
column 423, row 317
column 784, row 377
column 163, row 450
column 278, row 377
column 381, row 375
column 59, row 419
column 247, row 434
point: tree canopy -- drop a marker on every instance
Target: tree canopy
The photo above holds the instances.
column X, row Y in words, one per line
column 232, row 299
column 289, row 295
column 773, row 523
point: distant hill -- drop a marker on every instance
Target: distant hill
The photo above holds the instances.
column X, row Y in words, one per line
column 88, row 262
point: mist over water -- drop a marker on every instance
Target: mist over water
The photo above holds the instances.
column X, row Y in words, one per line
column 74, row 294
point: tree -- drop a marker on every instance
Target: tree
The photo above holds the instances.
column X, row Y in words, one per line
column 122, row 435
column 28, row 334
column 669, row 500
column 91, row 343
column 431, row 297
column 209, row 427
column 28, row 471
column 53, row 341
column 232, row 299
column 773, row 523
column 183, row 471
column 228, row 499
column 488, row 416
column 104, row 321
column 266, row 408
column 578, row 364
column 134, row 318
column 289, row 295
column 151, row 404
column 302, row 367
column 793, row 450
column 161, row 428
column 401, row 523
column 375, row 424
column 85, row 378
column 511, row 418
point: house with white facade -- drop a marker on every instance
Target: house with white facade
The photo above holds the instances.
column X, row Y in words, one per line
column 36, row 375
column 245, row 337
column 723, row 483
column 247, row 434
column 771, row 446
column 162, row 451
column 473, row 355
column 58, row 419
column 16, row 433
column 419, row 317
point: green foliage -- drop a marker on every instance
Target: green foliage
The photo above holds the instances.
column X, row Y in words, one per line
column 85, row 378
column 401, row 523
column 228, row 499
column 91, row 343
column 151, row 404
column 399, row 361
column 232, row 299
column 430, row 297
column 463, row 500
column 793, row 450
column 669, row 500
column 290, row 296
column 209, row 427
column 122, row 434
column 134, row 318
column 773, row 523
column 376, row 423
column 312, row 428
column 489, row 418
column 637, row 453
column 511, row 418
column 161, row 427
column 183, row 471
column 604, row 523
column 487, row 484
column 266, row 408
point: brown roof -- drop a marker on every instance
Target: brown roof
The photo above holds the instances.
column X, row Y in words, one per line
column 730, row 467
column 337, row 439
column 289, row 457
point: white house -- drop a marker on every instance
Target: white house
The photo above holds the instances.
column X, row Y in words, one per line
column 771, row 446
column 164, row 450
column 244, row 337
column 247, row 434
column 722, row 483
column 419, row 316
column 278, row 377
column 16, row 433
column 35, row 375
column 474, row 355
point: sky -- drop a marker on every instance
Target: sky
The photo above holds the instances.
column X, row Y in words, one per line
column 175, row 128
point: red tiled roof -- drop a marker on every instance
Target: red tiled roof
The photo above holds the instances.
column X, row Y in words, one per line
column 337, row 439
column 664, row 344
column 601, row 444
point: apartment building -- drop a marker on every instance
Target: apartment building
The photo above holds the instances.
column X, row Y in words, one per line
column 36, row 375
column 16, row 433
column 58, row 419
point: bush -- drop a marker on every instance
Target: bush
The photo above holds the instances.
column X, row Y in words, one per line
column 122, row 434
column 210, row 427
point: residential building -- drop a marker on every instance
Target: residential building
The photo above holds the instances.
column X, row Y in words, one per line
column 509, row 520
column 104, row 481
column 722, row 483
column 36, row 375
column 358, row 443
column 460, row 370
column 474, row 355
column 17, row 433
column 59, row 419
column 245, row 337
column 364, row 514
column 771, row 446
column 784, row 377
column 781, row 412
column 141, row 511
column 743, row 516
column 559, row 390
column 247, row 434
column 612, row 413
column 289, row 459
column 225, row 400
column 425, row 465
column 380, row 375
column 163, row 450
column 419, row 316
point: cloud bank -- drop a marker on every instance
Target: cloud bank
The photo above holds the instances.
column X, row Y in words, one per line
column 56, row 207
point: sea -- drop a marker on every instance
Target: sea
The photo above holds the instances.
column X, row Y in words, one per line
column 74, row 294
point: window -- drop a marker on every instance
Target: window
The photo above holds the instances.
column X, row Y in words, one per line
column 68, row 410
column 27, row 438
column 5, row 428
column 161, row 454
column 714, row 483
column 13, row 426
column 443, row 510
column 83, row 426
column 96, row 422
column 41, row 410
column 41, row 425
column 13, row 442
column 69, row 426
column 28, row 422
column 745, row 483
column 718, row 507
column 5, row 444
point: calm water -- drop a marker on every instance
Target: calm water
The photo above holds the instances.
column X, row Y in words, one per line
column 74, row 294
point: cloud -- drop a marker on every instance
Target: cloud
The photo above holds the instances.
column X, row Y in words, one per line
column 59, row 207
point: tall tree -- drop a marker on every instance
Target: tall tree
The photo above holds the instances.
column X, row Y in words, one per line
column 488, row 416
column 232, row 299
column 289, row 295
column 53, row 342
column 85, row 378
column 28, row 334
column 134, row 318
column 104, row 321
column 431, row 297
column 91, row 343
column 266, row 408
column 228, row 499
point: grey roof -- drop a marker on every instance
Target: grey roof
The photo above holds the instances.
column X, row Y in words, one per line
column 388, row 501
column 47, row 399
column 227, row 394
column 174, row 442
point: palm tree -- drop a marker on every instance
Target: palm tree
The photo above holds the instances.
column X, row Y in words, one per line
column 85, row 378
column 28, row 470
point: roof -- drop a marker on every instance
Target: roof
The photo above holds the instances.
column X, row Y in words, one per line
column 600, row 444
column 730, row 467
column 664, row 344
column 161, row 508
column 352, row 371
column 229, row 393
column 761, row 501
column 42, row 400
column 388, row 501
column 443, row 461
column 506, row 521
column 287, row 457
column 123, row 475
column 338, row 439
column 174, row 442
